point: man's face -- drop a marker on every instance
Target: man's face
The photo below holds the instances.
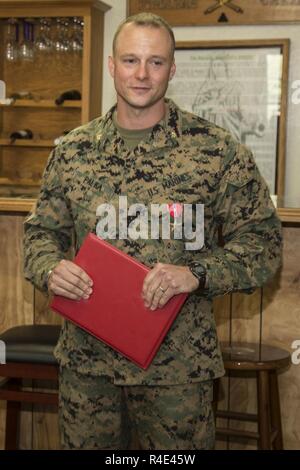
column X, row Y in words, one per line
column 142, row 65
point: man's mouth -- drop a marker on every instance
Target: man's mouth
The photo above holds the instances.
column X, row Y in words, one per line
column 140, row 89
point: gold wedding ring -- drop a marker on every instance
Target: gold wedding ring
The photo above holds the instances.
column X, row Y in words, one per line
column 49, row 274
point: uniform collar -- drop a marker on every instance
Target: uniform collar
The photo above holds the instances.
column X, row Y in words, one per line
column 166, row 133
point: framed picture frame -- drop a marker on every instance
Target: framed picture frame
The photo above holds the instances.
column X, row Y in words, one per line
column 242, row 87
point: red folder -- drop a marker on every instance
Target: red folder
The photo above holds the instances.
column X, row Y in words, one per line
column 115, row 312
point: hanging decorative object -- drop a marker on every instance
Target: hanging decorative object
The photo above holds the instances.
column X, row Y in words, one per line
column 220, row 12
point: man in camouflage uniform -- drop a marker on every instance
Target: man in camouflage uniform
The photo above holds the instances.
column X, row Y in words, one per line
column 149, row 150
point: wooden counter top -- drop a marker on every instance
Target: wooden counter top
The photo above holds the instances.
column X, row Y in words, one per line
column 13, row 204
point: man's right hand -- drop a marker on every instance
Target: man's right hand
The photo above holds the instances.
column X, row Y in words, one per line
column 69, row 280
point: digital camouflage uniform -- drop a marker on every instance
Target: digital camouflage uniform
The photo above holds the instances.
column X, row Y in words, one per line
column 185, row 160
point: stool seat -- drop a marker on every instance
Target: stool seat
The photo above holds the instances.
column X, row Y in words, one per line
column 244, row 359
column 31, row 343
column 253, row 356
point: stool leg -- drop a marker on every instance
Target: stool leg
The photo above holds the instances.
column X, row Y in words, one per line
column 13, row 409
column 275, row 410
column 263, row 408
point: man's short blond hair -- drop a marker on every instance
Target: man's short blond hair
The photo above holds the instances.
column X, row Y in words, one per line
column 149, row 20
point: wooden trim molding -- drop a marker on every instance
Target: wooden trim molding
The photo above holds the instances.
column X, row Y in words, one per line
column 16, row 204
column 289, row 214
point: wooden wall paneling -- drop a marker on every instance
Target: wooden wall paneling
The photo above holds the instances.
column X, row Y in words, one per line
column 221, row 306
column 281, row 327
column 16, row 295
column 281, row 316
column 45, row 428
column 26, row 425
column 246, row 316
column 16, row 298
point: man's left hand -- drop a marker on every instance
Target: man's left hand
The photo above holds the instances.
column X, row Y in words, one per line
column 164, row 281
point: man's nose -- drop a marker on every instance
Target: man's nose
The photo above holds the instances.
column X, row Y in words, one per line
column 142, row 71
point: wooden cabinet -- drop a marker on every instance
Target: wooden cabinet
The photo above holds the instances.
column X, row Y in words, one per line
column 45, row 78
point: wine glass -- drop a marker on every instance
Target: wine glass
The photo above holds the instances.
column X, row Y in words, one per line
column 58, row 36
column 42, row 41
column 76, row 35
column 27, row 45
column 12, row 38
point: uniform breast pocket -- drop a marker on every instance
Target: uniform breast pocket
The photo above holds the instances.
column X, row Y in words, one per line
column 86, row 193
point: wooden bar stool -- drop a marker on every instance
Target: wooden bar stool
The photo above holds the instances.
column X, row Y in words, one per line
column 29, row 355
column 264, row 362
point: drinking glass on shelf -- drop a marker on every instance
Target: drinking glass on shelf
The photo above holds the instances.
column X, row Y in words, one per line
column 58, row 35
column 76, row 35
column 66, row 34
column 42, row 41
column 12, row 38
column 27, row 45
column 48, row 25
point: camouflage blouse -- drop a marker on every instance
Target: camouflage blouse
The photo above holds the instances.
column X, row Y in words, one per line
column 185, row 160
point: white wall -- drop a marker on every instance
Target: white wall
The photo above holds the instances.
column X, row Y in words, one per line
column 118, row 12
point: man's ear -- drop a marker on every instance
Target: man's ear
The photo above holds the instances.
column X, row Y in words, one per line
column 111, row 66
column 172, row 71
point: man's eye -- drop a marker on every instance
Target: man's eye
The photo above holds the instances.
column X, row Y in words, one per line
column 157, row 62
column 129, row 61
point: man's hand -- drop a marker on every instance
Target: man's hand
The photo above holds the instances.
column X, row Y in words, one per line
column 69, row 280
column 164, row 281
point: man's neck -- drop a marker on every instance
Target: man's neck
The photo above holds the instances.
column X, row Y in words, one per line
column 134, row 118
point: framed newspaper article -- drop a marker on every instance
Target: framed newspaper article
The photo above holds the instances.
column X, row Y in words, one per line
column 242, row 87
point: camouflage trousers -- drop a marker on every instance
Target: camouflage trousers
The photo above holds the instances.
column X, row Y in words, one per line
column 96, row 414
